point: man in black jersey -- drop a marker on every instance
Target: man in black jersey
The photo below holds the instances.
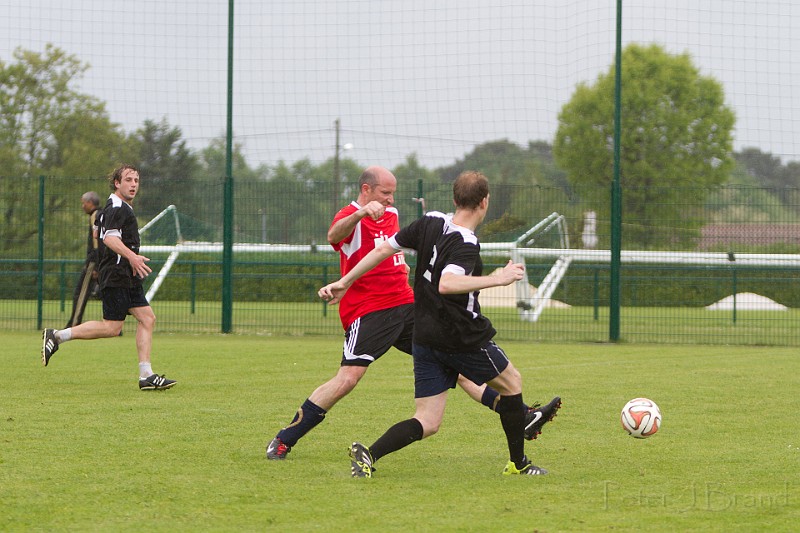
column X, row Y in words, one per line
column 87, row 281
column 122, row 270
column 451, row 336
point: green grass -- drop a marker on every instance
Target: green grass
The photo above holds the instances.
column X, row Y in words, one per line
column 82, row 449
column 670, row 325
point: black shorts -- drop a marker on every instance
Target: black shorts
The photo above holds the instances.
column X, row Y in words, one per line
column 118, row 300
column 436, row 371
column 371, row 335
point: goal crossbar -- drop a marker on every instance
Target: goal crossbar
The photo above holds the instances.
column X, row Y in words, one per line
column 505, row 249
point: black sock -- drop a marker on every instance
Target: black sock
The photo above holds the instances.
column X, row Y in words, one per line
column 512, row 418
column 306, row 418
column 491, row 397
column 396, row 437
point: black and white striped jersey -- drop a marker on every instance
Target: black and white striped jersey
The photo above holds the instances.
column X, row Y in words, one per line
column 117, row 218
column 451, row 322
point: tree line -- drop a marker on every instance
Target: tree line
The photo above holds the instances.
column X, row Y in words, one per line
column 676, row 149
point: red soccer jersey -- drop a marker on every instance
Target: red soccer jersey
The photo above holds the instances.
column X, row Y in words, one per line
column 384, row 286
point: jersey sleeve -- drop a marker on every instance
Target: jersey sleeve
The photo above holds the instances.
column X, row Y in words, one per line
column 113, row 219
column 409, row 236
column 343, row 213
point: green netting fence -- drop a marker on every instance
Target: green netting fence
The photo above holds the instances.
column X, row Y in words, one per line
column 292, row 100
column 714, row 277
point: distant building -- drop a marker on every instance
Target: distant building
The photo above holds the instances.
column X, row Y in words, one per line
column 717, row 236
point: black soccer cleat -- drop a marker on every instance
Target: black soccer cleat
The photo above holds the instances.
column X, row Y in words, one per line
column 529, row 469
column 277, row 450
column 536, row 417
column 156, row 382
column 360, row 461
column 49, row 345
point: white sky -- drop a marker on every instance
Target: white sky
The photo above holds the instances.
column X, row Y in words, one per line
column 429, row 77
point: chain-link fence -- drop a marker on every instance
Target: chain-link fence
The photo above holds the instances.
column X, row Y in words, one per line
column 292, row 100
column 715, row 277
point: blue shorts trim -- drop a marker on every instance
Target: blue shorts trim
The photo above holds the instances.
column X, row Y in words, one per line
column 436, row 371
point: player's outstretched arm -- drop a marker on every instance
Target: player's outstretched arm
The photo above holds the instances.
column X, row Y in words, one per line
column 451, row 283
column 333, row 292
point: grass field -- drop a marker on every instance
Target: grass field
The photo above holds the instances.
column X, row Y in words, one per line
column 82, row 449
column 666, row 325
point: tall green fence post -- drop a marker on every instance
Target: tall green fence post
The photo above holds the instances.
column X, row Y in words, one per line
column 40, row 277
column 62, row 286
column 324, row 282
column 616, row 193
column 193, row 287
column 227, row 232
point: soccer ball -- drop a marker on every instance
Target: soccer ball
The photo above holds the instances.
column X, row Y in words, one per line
column 641, row 418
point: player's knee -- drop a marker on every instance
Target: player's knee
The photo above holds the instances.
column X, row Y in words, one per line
column 113, row 329
column 509, row 404
column 347, row 384
column 348, row 377
column 430, row 425
column 509, row 382
column 148, row 321
column 514, row 377
column 429, row 428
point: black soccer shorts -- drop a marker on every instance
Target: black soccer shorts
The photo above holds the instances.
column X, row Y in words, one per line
column 435, row 371
column 371, row 335
column 118, row 300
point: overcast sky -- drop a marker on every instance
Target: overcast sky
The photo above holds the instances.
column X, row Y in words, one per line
column 431, row 77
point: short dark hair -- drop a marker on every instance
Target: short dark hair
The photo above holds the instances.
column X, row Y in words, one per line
column 116, row 175
column 369, row 177
column 469, row 189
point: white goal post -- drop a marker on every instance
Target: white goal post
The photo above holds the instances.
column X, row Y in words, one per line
column 520, row 250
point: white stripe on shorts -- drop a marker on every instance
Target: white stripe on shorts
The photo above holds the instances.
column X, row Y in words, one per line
column 350, row 343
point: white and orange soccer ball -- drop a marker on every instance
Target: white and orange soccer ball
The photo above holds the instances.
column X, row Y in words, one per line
column 641, row 418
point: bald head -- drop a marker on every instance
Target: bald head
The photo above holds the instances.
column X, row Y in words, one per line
column 374, row 175
column 376, row 184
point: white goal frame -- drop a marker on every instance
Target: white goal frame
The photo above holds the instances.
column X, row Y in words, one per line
column 520, row 250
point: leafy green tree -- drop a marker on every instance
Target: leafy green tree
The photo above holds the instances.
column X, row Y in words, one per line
column 517, row 176
column 764, row 167
column 675, row 146
column 212, row 163
column 792, row 174
column 551, row 173
column 769, row 172
column 248, row 189
column 792, row 178
column 408, row 200
column 48, row 127
column 505, row 163
column 168, row 168
column 297, row 201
